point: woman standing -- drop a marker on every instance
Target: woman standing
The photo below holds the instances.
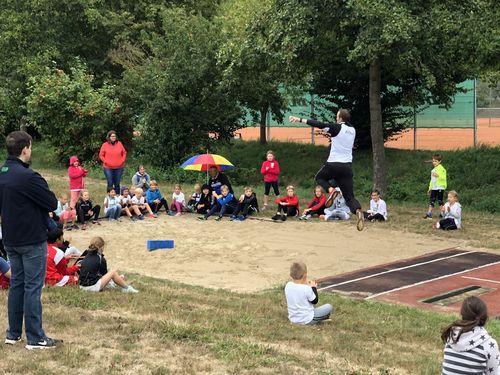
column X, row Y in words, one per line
column 113, row 155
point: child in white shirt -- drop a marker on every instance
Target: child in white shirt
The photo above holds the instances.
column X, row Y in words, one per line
column 112, row 206
column 177, row 200
column 452, row 213
column 301, row 296
column 378, row 208
column 139, row 205
column 125, row 202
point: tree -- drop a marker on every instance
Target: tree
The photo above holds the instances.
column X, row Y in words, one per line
column 412, row 52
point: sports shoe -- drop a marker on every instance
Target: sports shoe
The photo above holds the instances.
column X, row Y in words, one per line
column 360, row 225
column 428, row 215
column 276, row 217
column 241, row 218
column 133, row 219
column 233, row 217
column 153, row 216
column 178, row 214
column 202, row 218
column 75, row 226
column 141, row 217
column 68, row 227
column 331, row 198
column 129, row 289
column 305, row 217
column 48, row 343
column 11, row 341
column 283, row 217
column 218, row 218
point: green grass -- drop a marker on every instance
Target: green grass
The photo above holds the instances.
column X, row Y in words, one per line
column 174, row 328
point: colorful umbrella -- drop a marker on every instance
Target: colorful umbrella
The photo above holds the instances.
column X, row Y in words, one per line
column 203, row 162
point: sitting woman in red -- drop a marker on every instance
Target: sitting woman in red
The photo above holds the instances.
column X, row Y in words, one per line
column 288, row 205
column 316, row 206
column 58, row 273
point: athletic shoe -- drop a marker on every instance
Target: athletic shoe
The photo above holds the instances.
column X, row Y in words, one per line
column 218, row 218
column 202, row 218
column 68, row 227
column 129, row 289
column 75, row 226
column 331, row 198
column 96, row 222
column 233, row 217
column 111, row 285
column 241, row 218
column 178, row 214
column 11, row 341
column 276, row 217
column 141, row 217
column 111, row 219
column 152, row 216
column 45, row 344
column 283, row 217
column 360, row 225
column 428, row 215
column 133, row 219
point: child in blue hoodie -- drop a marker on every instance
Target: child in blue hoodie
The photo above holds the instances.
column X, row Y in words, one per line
column 225, row 204
column 155, row 199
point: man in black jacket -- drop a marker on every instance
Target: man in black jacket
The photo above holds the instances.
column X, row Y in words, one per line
column 25, row 201
column 217, row 180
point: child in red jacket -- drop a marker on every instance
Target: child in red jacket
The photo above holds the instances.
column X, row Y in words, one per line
column 288, row 205
column 58, row 273
column 270, row 171
column 76, row 174
column 316, row 206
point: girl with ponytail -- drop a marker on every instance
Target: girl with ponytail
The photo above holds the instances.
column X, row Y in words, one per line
column 469, row 349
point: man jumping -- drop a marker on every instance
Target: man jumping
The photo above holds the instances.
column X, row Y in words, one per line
column 338, row 167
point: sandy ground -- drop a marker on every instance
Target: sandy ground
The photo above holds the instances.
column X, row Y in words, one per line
column 252, row 255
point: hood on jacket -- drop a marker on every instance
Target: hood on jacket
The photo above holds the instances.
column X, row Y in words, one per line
column 73, row 159
column 469, row 340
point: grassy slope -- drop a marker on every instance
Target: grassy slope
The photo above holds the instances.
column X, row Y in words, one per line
column 174, row 328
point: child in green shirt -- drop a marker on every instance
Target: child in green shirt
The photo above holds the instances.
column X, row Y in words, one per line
column 437, row 185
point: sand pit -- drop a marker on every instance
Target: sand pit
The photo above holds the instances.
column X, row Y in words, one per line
column 252, row 255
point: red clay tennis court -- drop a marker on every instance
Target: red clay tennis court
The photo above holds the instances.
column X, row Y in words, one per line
column 437, row 281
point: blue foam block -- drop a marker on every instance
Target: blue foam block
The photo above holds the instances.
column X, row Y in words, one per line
column 160, row 244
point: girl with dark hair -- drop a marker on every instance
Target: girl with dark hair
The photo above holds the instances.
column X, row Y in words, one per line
column 469, row 349
column 141, row 178
column 113, row 156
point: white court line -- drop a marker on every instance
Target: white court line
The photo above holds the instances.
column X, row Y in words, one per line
column 395, row 269
column 479, row 279
column 427, row 281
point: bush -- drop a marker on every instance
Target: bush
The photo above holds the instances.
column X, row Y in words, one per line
column 71, row 114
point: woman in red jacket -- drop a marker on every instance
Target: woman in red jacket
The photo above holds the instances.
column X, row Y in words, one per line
column 113, row 156
column 270, row 171
column 316, row 206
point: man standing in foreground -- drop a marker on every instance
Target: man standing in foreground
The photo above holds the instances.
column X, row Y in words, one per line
column 338, row 166
column 25, row 201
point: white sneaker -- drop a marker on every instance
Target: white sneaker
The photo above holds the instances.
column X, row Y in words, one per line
column 111, row 284
column 130, row 289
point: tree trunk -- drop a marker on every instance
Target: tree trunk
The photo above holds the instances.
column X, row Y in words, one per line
column 376, row 129
column 263, row 117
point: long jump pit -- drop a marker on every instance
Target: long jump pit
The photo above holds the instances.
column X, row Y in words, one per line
column 437, row 281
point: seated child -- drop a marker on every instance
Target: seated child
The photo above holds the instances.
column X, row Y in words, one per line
column 288, row 205
column 94, row 274
column 58, row 273
column 205, row 202
column 316, row 206
column 301, row 296
column 225, row 203
column 112, row 206
column 5, row 274
column 247, row 204
column 452, row 213
column 469, row 349
column 138, row 205
column 125, row 203
column 65, row 213
column 86, row 211
column 339, row 210
column 194, row 198
column 378, row 208
column 155, row 198
column 177, row 200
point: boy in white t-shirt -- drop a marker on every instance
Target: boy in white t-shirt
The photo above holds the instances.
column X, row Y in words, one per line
column 301, row 296
column 378, row 208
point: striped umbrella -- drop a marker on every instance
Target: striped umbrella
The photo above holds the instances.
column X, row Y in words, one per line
column 203, row 162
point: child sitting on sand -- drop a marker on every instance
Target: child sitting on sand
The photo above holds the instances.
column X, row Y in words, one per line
column 247, row 204
column 225, row 204
column 138, row 205
column 155, row 198
column 86, row 210
column 178, row 200
column 66, row 213
column 194, row 198
column 469, row 349
column 288, row 205
column 205, row 202
column 378, row 208
column 452, row 213
column 339, row 210
column 94, row 274
column 301, row 296
column 316, row 206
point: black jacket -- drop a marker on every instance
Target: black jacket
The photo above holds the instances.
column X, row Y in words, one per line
column 251, row 200
column 85, row 206
column 206, row 200
column 217, row 182
column 25, row 201
column 92, row 268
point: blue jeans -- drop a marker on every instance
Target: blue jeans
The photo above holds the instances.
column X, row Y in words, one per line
column 321, row 313
column 114, row 212
column 114, row 177
column 28, row 264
